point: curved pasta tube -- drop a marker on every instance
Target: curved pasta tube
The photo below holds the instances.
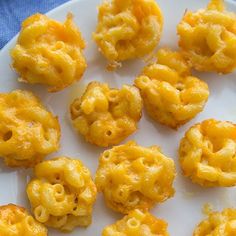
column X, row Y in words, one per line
column 28, row 131
column 137, row 223
column 62, row 194
column 106, row 116
column 128, row 29
column 207, row 38
column 48, row 52
column 217, row 224
column 134, row 177
column 171, row 95
column 207, row 153
column 15, row 221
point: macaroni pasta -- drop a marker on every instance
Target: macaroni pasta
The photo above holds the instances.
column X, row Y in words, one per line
column 208, row 38
column 137, row 223
column 28, row 132
column 48, row 52
column 62, row 193
column 134, row 177
column 208, row 153
column 15, row 221
column 128, row 28
column 106, row 116
column 171, row 95
column 218, row 224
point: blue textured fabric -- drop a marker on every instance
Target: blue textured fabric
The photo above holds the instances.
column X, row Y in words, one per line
column 13, row 12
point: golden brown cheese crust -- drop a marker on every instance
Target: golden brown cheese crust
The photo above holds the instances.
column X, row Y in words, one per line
column 172, row 96
column 15, row 221
column 48, row 52
column 137, row 223
column 207, row 153
column 62, row 193
column 106, row 116
column 128, row 28
column 207, row 38
column 28, row 132
column 218, row 224
column 134, row 177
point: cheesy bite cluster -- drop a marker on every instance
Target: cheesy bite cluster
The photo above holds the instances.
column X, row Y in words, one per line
column 208, row 153
column 128, row 28
column 134, row 177
column 106, row 116
column 218, row 224
column 62, row 194
column 48, row 52
column 28, row 132
column 137, row 223
column 171, row 95
column 15, row 221
column 208, row 38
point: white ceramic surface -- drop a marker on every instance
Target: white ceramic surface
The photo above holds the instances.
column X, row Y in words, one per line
column 183, row 211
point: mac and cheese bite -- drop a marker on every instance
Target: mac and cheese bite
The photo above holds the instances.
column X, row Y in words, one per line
column 207, row 153
column 28, row 132
column 137, row 223
column 172, row 96
column 15, row 221
column 49, row 52
column 106, row 116
column 128, row 29
column 62, row 194
column 218, row 224
column 135, row 177
column 207, row 38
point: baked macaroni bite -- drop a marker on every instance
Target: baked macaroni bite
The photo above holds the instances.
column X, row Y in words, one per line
column 137, row 223
column 49, row 52
column 172, row 96
column 106, row 116
column 128, row 29
column 28, row 132
column 15, row 221
column 62, row 194
column 207, row 38
column 135, row 177
column 207, row 153
column 218, row 224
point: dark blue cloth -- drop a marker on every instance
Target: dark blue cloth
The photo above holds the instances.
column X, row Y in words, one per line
column 13, row 12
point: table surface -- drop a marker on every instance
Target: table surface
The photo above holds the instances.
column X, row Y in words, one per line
column 15, row 11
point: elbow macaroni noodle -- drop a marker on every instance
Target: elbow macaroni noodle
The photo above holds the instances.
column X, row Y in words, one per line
column 62, row 194
column 208, row 38
column 208, row 153
column 48, row 52
column 128, row 28
column 137, row 223
column 218, row 224
column 106, row 116
column 15, row 221
column 28, row 132
column 171, row 95
column 134, row 177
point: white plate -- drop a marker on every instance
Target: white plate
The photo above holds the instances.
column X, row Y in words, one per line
column 183, row 211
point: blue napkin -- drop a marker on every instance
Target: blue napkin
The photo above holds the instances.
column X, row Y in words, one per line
column 13, row 12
